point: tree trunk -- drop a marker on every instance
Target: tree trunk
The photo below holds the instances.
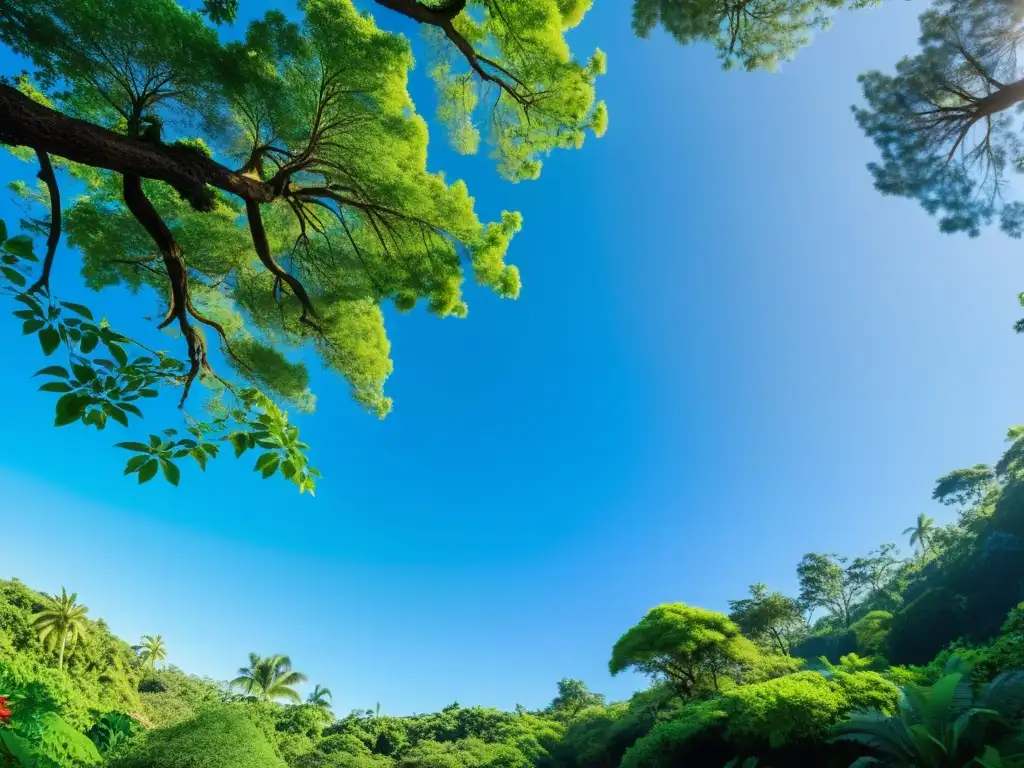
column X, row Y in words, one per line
column 1000, row 100
column 63, row 644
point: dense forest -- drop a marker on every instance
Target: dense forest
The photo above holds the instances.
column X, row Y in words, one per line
column 879, row 660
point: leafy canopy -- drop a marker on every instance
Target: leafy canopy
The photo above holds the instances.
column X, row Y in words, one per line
column 272, row 192
column 692, row 647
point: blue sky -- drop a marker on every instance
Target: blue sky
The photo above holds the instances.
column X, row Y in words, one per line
column 729, row 351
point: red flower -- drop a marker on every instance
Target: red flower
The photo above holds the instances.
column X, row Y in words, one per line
column 5, row 713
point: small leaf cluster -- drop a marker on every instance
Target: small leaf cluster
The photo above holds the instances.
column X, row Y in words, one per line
column 94, row 389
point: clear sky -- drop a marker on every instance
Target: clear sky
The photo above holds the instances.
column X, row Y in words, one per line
column 729, row 351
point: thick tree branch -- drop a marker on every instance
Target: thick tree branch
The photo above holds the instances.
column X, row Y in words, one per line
column 25, row 123
column 47, row 176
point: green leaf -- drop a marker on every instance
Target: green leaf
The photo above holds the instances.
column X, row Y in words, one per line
column 140, row 447
column 117, row 353
column 148, row 393
column 3, row 231
column 14, row 276
column 78, row 309
column 271, row 468
column 49, row 340
column 83, row 373
column 20, row 748
column 155, row 441
column 134, row 463
column 54, row 370
column 29, row 301
column 130, row 408
column 69, row 409
column 240, row 443
column 265, row 461
column 116, row 414
column 200, row 457
column 25, row 314
column 31, row 326
column 89, row 342
column 288, row 469
column 20, row 245
column 148, row 471
column 55, row 386
column 171, row 471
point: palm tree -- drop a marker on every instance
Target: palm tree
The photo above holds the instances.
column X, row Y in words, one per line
column 270, row 678
column 320, row 697
column 921, row 533
column 62, row 620
column 152, row 650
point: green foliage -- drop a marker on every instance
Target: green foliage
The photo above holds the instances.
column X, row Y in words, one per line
column 826, row 581
column 912, row 638
column 573, row 697
column 38, row 732
column 152, row 651
column 534, row 95
column 669, row 742
column 944, row 726
column 61, row 623
column 696, row 649
column 872, row 632
column 169, row 696
column 269, row 678
column 921, row 118
column 755, row 35
column 800, row 707
column 217, row 738
column 769, row 618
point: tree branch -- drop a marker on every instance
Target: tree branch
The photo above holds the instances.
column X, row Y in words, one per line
column 262, row 245
column 144, row 212
column 47, row 176
column 25, row 123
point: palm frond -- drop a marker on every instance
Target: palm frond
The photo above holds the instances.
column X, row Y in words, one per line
column 887, row 735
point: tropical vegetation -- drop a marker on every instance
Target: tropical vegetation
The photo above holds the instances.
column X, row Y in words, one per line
column 879, row 660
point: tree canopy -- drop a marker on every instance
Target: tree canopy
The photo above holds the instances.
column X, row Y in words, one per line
column 944, row 123
column 271, row 191
column 694, row 648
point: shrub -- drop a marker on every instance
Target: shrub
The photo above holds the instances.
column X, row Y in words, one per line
column 770, row 666
column 218, row 738
column 872, row 632
column 802, row 707
column 667, row 743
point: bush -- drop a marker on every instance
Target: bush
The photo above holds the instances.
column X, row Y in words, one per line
column 868, row 690
column 872, row 632
column 802, row 707
column 218, row 738
column 772, row 665
column 668, row 743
